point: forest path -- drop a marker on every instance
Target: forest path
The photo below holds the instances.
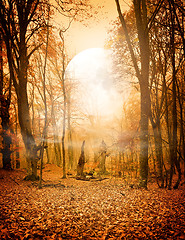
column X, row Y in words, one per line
column 73, row 209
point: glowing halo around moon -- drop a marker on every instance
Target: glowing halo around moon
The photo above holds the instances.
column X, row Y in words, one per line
column 91, row 71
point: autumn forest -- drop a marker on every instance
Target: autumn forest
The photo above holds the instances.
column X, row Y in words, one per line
column 92, row 141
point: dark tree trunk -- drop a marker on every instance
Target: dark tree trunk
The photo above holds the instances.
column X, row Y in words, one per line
column 181, row 105
column 142, row 30
column 159, row 153
column 25, row 124
column 62, row 78
column 81, row 162
column 142, row 74
column 143, row 157
column 5, row 116
column 70, row 140
column 7, row 140
column 63, row 134
column 6, row 152
column 17, row 155
column 174, row 160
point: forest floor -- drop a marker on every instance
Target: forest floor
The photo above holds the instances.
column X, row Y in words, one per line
column 75, row 209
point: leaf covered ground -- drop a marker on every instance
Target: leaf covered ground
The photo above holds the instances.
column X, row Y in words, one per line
column 74, row 209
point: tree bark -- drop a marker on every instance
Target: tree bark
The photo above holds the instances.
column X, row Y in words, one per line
column 62, row 78
column 70, row 140
column 174, row 160
column 26, row 131
column 143, row 77
column 158, row 152
column 4, row 114
column 181, row 106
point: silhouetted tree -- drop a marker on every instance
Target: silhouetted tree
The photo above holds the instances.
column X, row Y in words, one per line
column 5, row 99
column 81, row 162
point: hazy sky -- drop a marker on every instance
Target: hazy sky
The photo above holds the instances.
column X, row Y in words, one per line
column 80, row 37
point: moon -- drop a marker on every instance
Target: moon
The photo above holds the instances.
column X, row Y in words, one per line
column 91, row 71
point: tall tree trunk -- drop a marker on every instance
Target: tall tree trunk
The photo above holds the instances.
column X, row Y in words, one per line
column 174, row 160
column 63, row 150
column 44, row 133
column 142, row 29
column 143, row 157
column 24, row 116
column 65, row 106
column 4, row 114
column 169, row 133
column 143, row 77
column 29, row 141
column 81, row 162
column 17, row 155
column 70, row 140
column 181, row 106
column 158, row 152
